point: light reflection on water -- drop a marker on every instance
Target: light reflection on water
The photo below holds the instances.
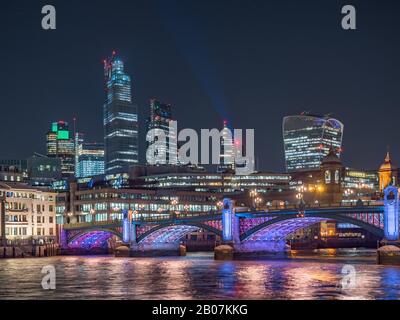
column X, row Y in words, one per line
column 305, row 276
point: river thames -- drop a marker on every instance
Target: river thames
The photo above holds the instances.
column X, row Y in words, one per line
column 306, row 275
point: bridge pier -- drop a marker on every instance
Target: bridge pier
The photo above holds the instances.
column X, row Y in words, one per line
column 389, row 252
column 157, row 250
column 260, row 249
column 246, row 249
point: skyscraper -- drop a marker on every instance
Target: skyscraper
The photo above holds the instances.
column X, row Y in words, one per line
column 120, row 118
column 228, row 151
column 160, row 118
column 79, row 139
column 308, row 138
column 61, row 145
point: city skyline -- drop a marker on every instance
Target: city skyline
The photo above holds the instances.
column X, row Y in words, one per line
column 219, row 92
column 202, row 155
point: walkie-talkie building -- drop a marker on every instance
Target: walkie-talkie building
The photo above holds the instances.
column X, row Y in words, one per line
column 308, row 138
column 120, row 118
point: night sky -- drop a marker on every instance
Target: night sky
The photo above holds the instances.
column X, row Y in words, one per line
column 249, row 62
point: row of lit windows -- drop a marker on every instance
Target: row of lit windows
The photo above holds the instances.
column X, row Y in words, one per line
column 22, row 231
column 23, row 218
column 145, row 207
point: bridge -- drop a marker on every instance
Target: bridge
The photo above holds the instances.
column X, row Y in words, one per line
column 246, row 232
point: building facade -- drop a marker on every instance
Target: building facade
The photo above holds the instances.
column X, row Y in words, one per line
column 89, row 159
column 11, row 174
column 120, row 118
column 30, row 215
column 159, row 122
column 85, row 202
column 308, row 138
column 60, row 144
column 20, row 164
column 43, row 170
column 227, row 150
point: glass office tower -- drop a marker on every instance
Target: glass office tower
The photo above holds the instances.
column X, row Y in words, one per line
column 308, row 138
column 227, row 150
column 120, row 118
column 90, row 160
column 60, row 144
column 160, row 118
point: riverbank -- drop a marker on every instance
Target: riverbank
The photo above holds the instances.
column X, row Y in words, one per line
column 28, row 251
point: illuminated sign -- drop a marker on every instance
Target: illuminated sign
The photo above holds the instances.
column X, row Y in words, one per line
column 63, row 135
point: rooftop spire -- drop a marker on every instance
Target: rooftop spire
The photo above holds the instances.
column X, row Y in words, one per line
column 387, row 159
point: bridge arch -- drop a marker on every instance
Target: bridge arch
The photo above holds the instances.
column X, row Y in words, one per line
column 173, row 232
column 280, row 227
column 91, row 238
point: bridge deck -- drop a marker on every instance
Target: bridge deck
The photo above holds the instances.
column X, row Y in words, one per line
column 202, row 216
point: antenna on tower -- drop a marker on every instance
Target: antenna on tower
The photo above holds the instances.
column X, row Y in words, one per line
column 74, row 119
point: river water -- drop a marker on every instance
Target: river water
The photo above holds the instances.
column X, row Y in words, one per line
column 306, row 275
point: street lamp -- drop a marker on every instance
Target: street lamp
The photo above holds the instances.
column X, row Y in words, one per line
column 257, row 201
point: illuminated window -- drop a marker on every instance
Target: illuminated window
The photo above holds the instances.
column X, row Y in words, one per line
column 327, row 177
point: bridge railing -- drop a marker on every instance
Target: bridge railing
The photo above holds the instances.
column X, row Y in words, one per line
column 79, row 225
column 143, row 218
column 324, row 205
column 170, row 216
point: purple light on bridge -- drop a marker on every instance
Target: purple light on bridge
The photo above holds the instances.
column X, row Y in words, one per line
column 280, row 230
column 94, row 239
column 169, row 234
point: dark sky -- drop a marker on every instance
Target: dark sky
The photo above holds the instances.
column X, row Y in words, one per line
column 250, row 62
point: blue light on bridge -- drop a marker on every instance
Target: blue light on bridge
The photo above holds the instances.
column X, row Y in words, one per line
column 227, row 220
column 125, row 227
column 391, row 216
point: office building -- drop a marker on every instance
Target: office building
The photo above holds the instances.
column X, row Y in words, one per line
column 43, row 170
column 120, row 118
column 60, row 144
column 227, row 153
column 307, row 140
column 90, row 160
column 159, row 122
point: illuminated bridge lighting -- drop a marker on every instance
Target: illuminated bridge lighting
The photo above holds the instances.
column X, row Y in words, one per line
column 169, row 234
column 95, row 239
column 282, row 229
